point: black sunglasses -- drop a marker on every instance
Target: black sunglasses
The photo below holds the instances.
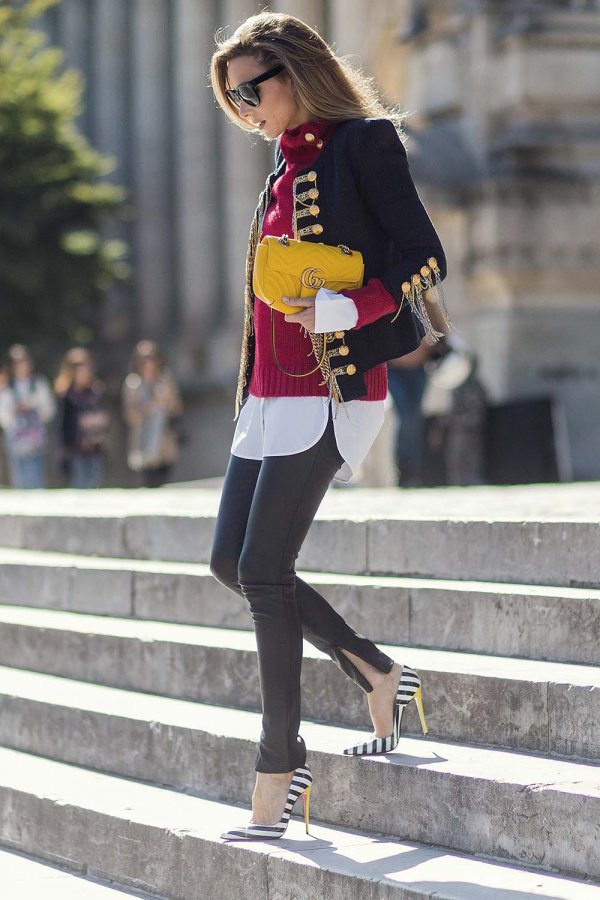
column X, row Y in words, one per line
column 247, row 92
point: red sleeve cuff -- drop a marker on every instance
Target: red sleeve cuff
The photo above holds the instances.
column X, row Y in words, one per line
column 372, row 301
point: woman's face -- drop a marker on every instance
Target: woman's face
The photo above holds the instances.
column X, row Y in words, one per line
column 278, row 110
column 149, row 368
column 84, row 375
column 22, row 367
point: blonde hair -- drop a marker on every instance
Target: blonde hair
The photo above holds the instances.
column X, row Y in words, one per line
column 322, row 82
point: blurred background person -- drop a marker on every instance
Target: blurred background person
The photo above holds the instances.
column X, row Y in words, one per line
column 27, row 406
column 456, row 404
column 407, row 379
column 82, row 420
column 152, row 408
column 465, row 435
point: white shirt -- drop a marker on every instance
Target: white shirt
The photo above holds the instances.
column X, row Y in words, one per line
column 281, row 426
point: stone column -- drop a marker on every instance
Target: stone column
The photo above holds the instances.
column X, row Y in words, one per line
column 198, row 206
column 310, row 11
column 350, row 29
column 110, row 128
column 75, row 37
column 151, row 166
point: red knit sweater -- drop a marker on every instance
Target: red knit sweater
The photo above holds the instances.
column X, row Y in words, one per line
column 294, row 348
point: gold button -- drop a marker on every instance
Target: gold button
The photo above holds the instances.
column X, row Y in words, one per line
column 313, row 194
column 406, row 287
column 320, row 144
column 351, row 369
column 317, row 229
column 344, row 350
column 339, row 335
column 309, row 136
column 312, row 176
column 314, row 210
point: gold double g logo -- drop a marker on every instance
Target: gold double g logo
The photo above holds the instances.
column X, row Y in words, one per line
column 312, row 278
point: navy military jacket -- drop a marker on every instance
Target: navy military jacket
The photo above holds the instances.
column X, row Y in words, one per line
column 368, row 201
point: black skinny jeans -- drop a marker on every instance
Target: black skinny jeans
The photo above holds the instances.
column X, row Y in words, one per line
column 267, row 507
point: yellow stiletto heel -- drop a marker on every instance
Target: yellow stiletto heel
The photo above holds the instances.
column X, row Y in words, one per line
column 419, row 701
column 306, row 796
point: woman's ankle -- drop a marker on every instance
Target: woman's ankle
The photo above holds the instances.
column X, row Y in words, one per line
column 374, row 676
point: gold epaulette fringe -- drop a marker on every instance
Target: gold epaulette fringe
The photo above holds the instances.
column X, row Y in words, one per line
column 427, row 280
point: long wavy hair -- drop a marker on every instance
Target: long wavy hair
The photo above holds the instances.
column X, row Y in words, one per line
column 322, row 82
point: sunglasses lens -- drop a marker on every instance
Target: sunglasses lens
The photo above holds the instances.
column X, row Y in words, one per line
column 249, row 94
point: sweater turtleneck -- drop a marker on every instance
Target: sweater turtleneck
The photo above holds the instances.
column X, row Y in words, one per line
column 300, row 148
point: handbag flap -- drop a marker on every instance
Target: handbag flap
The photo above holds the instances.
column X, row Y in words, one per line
column 300, row 268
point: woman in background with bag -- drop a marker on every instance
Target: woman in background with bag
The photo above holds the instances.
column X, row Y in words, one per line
column 83, row 420
column 313, row 381
column 26, row 408
column 151, row 407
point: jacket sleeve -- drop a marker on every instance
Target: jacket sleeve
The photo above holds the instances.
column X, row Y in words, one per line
column 380, row 166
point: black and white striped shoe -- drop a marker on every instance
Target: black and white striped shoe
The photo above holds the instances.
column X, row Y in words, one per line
column 409, row 689
column 301, row 786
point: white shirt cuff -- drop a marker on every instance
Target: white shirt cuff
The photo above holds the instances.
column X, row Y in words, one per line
column 334, row 312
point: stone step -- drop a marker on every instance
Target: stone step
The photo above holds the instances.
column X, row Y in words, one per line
column 531, row 621
column 533, row 535
column 545, row 707
column 22, row 877
column 522, row 807
column 168, row 843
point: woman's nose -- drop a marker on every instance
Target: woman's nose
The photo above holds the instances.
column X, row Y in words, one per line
column 245, row 109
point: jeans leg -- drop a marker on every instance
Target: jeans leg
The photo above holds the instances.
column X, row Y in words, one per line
column 27, row 472
column 86, row 471
column 288, row 492
column 322, row 626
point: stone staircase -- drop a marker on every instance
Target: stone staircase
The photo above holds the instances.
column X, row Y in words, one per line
column 129, row 703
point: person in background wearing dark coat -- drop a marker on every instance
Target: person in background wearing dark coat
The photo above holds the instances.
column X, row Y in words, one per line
column 82, row 420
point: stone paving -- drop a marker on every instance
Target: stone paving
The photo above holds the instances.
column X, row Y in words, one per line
column 129, row 703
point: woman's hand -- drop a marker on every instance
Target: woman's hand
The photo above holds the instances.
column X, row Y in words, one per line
column 307, row 316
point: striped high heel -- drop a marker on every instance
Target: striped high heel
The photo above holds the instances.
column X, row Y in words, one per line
column 409, row 689
column 301, row 786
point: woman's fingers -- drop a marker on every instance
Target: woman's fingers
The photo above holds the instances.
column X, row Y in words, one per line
column 300, row 301
column 306, row 317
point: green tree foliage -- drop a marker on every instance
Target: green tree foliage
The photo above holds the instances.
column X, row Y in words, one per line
column 55, row 266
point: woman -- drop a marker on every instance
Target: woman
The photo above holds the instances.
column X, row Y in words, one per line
column 83, row 420
column 341, row 177
column 151, row 403
column 26, row 408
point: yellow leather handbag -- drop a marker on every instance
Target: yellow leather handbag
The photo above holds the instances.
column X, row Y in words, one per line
column 286, row 267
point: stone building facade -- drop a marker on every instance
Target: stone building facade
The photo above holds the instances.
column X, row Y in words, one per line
column 504, row 133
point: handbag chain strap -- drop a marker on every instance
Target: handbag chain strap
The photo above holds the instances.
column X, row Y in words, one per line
column 285, row 371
